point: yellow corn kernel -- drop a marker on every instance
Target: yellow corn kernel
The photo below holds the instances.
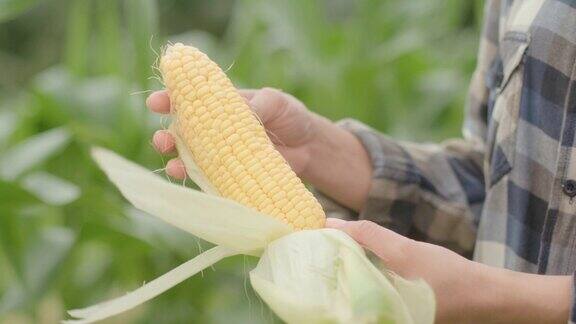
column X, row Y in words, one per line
column 232, row 141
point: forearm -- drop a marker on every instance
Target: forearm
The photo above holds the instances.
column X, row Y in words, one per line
column 504, row 296
column 339, row 166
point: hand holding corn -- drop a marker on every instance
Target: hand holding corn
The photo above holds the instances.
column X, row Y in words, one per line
column 287, row 120
column 327, row 156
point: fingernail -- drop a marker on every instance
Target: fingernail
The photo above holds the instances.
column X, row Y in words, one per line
column 175, row 168
column 160, row 141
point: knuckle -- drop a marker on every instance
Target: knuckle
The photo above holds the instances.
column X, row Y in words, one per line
column 271, row 91
column 365, row 229
column 275, row 96
column 406, row 246
column 405, row 252
column 366, row 225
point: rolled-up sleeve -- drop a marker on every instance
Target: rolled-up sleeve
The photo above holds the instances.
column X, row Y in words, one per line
column 432, row 192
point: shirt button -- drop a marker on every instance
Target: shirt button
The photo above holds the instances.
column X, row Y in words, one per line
column 569, row 188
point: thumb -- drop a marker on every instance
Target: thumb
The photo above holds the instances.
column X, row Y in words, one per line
column 268, row 103
column 386, row 244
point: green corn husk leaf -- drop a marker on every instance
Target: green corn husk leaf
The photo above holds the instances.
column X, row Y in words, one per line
column 314, row 276
column 418, row 297
column 323, row 276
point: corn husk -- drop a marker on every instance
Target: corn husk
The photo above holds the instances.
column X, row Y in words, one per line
column 312, row 276
column 323, row 276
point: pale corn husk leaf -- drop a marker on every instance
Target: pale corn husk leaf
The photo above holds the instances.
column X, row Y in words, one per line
column 324, row 276
column 373, row 299
column 214, row 219
column 295, row 277
column 287, row 307
column 417, row 296
column 151, row 289
column 419, row 303
column 192, row 168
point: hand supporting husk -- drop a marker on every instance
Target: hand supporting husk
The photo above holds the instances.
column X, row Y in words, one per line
column 323, row 276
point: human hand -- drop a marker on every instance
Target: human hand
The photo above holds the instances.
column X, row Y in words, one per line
column 466, row 291
column 287, row 121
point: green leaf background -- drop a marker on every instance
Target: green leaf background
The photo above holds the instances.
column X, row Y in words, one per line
column 75, row 74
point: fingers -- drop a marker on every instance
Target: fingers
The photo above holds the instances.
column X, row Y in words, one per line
column 176, row 169
column 268, row 103
column 163, row 142
column 386, row 244
column 247, row 93
column 159, row 102
column 261, row 101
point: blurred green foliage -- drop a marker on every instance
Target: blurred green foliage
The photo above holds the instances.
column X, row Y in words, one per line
column 74, row 74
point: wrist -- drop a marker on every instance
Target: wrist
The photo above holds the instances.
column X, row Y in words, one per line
column 315, row 147
column 504, row 296
column 338, row 165
column 491, row 294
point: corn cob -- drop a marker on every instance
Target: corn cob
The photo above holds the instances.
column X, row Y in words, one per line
column 229, row 144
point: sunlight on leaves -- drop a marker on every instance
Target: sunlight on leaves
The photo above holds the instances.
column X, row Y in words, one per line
column 32, row 152
column 42, row 262
column 7, row 125
column 10, row 9
column 51, row 189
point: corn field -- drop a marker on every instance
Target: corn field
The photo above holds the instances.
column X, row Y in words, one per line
column 75, row 74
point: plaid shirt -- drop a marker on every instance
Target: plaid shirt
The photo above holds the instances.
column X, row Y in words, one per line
column 505, row 193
